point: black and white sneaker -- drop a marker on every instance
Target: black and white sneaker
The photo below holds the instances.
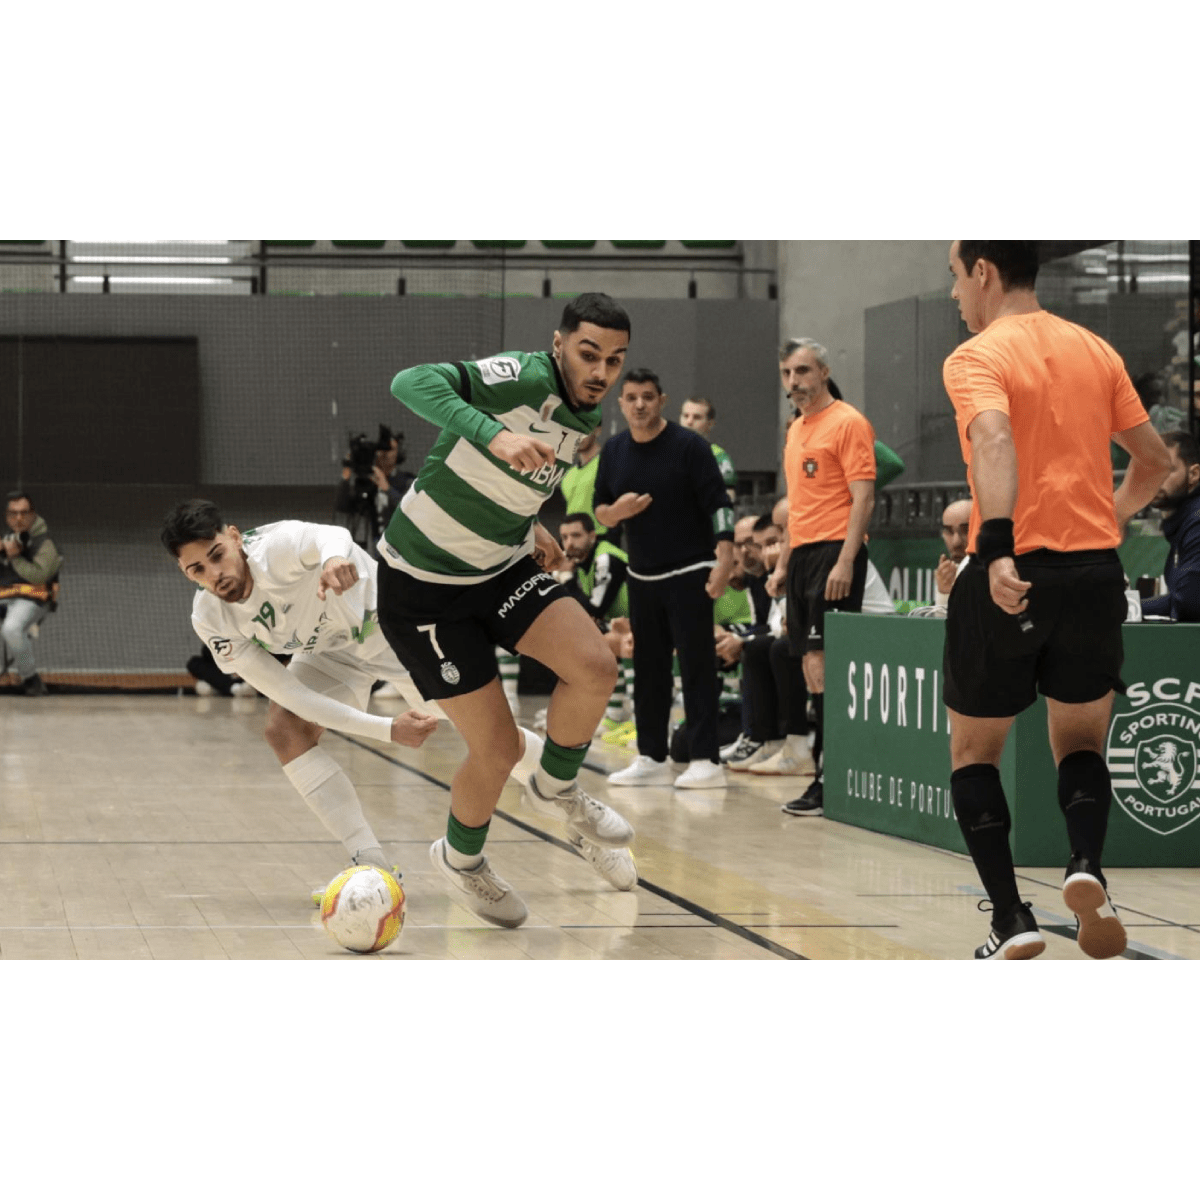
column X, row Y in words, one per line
column 811, row 804
column 1100, row 933
column 1013, row 936
column 738, row 751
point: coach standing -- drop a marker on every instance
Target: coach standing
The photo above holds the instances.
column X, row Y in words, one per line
column 829, row 465
column 662, row 481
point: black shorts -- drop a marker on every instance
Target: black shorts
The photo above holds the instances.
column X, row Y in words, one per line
column 446, row 634
column 808, row 571
column 1066, row 644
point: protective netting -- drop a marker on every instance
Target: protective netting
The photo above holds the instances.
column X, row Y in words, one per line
column 115, row 406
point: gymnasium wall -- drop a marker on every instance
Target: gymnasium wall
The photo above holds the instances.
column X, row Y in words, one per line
column 826, row 288
column 283, row 381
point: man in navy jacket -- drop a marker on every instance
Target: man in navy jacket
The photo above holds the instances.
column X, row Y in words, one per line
column 1179, row 498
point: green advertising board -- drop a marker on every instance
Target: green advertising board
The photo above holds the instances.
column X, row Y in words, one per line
column 906, row 565
column 887, row 751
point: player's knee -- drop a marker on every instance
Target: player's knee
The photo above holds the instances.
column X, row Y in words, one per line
column 608, row 671
column 504, row 750
column 284, row 730
column 595, row 667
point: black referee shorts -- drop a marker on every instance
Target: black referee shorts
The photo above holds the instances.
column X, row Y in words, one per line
column 446, row 634
column 1066, row 644
column 808, row 572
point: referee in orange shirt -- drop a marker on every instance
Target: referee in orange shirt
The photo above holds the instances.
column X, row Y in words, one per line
column 1040, row 604
column 829, row 466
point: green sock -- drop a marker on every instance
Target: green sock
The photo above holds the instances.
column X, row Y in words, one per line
column 559, row 766
column 464, row 843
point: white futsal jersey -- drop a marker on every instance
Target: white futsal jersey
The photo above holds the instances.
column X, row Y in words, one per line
column 282, row 613
column 335, row 642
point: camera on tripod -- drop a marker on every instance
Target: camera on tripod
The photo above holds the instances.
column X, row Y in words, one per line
column 364, row 458
column 361, row 461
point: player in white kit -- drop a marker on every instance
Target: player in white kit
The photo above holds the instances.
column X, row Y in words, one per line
column 305, row 590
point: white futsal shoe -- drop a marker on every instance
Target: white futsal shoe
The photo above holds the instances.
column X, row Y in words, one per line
column 614, row 865
column 584, row 814
column 486, row 894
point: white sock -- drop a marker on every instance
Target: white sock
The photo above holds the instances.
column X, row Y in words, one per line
column 550, row 785
column 460, row 861
column 327, row 790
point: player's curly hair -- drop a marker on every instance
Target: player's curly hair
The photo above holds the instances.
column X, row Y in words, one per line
column 191, row 521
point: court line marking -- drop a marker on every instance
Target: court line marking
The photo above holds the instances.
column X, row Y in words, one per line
column 663, row 893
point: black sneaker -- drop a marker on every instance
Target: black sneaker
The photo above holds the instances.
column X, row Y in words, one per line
column 811, row 804
column 34, row 686
column 1100, row 933
column 740, row 750
column 1013, row 936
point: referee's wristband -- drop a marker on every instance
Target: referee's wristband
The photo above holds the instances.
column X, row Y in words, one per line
column 995, row 540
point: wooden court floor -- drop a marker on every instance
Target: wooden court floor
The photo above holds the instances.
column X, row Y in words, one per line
column 160, row 827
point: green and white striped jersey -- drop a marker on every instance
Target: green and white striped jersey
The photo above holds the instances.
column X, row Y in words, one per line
column 469, row 515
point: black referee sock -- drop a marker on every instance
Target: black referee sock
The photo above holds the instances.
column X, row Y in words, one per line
column 984, row 819
column 1085, row 796
column 818, row 750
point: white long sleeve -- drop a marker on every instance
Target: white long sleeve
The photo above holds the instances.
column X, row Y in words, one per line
column 270, row 677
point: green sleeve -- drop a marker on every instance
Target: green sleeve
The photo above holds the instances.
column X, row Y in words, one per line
column 888, row 465
column 435, row 391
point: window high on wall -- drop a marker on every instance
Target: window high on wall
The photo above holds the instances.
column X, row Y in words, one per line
column 160, row 267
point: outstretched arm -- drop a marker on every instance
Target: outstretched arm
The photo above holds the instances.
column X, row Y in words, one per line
column 262, row 671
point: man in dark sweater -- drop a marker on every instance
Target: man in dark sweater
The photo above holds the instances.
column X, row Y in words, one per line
column 662, row 482
column 1179, row 500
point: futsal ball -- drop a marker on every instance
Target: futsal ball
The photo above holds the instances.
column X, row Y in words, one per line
column 363, row 909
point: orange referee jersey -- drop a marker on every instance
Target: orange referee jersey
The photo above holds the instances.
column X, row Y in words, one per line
column 1066, row 392
column 823, row 454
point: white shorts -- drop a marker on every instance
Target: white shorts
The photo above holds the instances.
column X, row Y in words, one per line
column 348, row 676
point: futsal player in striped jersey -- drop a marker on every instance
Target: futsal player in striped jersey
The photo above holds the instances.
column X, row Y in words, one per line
column 465, row 567
column 1040, row 604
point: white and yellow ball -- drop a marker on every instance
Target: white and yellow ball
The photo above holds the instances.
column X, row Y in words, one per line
column 363, row 909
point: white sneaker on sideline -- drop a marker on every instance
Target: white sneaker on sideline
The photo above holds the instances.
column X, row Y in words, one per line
column 787, row 760
column 765, row 751
column 203, row 688
column 644, row 772
column 614, row 865
column 584, row 814
column 702, row 774
column 486, row 894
